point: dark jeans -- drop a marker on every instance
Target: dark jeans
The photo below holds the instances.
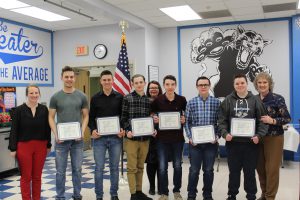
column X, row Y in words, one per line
column 201, row 154
column 242, row 155
column 163, row 150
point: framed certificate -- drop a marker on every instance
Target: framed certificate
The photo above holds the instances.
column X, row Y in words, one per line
column 203, row 134
column 169, row 120
column 108, row 125
column 142, row 126
column 242, row 127
column 68, row 131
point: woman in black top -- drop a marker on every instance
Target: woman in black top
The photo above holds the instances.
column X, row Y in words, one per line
column 30, row 141
column 153, row 91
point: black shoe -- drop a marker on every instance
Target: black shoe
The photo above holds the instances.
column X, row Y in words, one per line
column 134, row 197
column 191, row 198
column 114, row 198
column 208, row 198
column 77, row 198
column 159, row 192
column 231, row 198
column 152, row 191
column 141, row 196
column 99, row 198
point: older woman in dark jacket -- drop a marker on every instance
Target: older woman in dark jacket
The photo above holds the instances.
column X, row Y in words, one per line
column 270, row 151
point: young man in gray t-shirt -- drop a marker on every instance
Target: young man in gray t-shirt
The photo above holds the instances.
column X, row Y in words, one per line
column 70, row 105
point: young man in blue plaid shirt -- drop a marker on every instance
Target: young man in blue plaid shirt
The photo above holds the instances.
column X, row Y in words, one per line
column 201, row 111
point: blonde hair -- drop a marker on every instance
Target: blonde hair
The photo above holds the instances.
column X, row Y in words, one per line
column 266, row 76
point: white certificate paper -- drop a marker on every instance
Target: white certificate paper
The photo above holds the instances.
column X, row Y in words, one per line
column 69, row 131
column 142, row 126
column 242, row 127
column 203, row 134
column 169, row 120
column 108, row 125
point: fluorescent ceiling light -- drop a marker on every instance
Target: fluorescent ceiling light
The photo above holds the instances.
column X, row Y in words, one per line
column 11, row 4
column 40, row 14
column 299, row 4
column 181, row 13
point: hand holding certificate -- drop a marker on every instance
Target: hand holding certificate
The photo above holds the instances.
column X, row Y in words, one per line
column 142, row 126
column 203, row 134
column 68, row 131
column 242, row 127
column 108, row 125
column 169, row 120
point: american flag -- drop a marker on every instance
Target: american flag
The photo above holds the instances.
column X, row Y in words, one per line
column 122, row 74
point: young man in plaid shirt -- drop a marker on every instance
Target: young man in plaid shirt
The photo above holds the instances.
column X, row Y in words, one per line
column 200, row 111
column 136, row 105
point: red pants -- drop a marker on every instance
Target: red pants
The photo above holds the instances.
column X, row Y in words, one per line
column 31, row 157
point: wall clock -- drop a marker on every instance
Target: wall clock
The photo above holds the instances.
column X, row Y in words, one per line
column 100, row 51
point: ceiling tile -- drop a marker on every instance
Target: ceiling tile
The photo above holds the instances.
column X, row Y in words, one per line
column 280, row 14
column 241, row 3
column 271, row 2
column 249, row 17
column 208, row 6
column 223, row 19
column 246, row 10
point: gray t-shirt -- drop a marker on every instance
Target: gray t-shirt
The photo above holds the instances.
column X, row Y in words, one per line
column 68, row 105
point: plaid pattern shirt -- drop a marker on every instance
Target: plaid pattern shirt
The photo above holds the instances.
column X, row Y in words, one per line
column 200, row 112
column 134, row 106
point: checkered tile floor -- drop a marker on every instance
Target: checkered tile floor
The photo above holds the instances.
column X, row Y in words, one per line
column 10, row 187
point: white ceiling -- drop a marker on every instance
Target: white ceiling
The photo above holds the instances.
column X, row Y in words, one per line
column 112, row 11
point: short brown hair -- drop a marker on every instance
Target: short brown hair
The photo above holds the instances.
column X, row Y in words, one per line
column 136, row 76
column 67, row 69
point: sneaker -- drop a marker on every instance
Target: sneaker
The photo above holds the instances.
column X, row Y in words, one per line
column 141, row 196
column 163, row 197
column 177, row 196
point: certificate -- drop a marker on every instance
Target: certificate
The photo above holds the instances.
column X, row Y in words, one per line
column 203, row 134
column 242, row 127
column 142, row 126
column 68, row 131
column 169, row 120
column 108, row 125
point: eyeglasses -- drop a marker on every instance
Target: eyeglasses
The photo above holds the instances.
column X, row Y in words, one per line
column 203, row 85
column 153, row 88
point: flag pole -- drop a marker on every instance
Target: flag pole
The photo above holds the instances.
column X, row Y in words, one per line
column 122, row 181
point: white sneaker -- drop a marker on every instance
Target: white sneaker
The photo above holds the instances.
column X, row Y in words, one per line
column 177, row 196
column 163, row 197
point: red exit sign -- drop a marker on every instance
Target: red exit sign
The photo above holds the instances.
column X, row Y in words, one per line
column 81, row 50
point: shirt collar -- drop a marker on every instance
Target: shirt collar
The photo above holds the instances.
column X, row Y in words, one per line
column 112, row 93
column 167, row 100
column 134, row 93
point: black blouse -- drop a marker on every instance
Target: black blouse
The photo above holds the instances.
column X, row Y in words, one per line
column 27, row 127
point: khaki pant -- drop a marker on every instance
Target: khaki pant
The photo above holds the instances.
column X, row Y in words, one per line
column 268, row 166
column 136, row 155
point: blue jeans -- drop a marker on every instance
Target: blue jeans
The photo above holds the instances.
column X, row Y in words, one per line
column 114, row 146
column 61, row 159
column 204, row 154
column 163, row 150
